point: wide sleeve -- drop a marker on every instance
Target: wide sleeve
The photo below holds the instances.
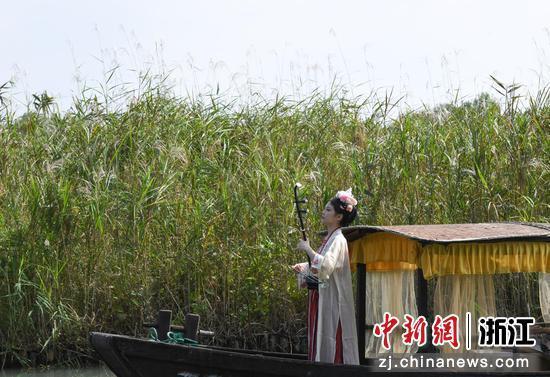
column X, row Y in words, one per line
column 332, row 259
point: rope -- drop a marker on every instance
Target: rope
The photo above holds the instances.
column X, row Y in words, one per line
column 172, row 337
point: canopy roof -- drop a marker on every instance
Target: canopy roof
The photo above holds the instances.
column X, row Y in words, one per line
column 451, row 233
column 452, row 249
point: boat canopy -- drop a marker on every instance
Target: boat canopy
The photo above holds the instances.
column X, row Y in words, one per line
column 462, row 259
column 452, row 249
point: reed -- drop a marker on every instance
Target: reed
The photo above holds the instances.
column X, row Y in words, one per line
column 135, row 200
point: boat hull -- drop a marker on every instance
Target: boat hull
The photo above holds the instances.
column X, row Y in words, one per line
column 133, row 357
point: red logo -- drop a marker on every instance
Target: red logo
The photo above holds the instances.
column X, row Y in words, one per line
column 385, row 328
column 445, row 330
column 415, row 331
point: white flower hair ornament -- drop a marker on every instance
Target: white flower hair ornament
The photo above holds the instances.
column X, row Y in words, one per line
column 347, row 198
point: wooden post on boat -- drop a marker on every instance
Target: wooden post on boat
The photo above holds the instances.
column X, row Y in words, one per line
column 163, row 324
column 422, row 306
column 361, row 309
column 192, row 326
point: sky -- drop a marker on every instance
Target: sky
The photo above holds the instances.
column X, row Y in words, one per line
column 426, row 51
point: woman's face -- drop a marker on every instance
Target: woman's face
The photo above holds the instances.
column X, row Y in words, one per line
column 329, row 217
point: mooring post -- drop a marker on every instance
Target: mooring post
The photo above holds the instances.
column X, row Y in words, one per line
column 192, row 326
column 163, row 324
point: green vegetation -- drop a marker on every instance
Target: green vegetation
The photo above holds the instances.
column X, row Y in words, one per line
column 121, row 206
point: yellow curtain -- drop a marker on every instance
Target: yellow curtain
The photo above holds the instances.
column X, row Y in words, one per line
column 385, row 252
column 391, row 252
column 484, row 258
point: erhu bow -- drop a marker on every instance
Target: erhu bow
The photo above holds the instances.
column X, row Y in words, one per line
column 311, row 281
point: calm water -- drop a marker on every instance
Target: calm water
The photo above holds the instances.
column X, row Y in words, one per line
column 59, row 372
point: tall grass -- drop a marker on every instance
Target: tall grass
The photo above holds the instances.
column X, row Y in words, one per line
column 109, row 212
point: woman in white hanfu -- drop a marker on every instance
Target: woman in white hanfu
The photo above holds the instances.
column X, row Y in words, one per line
column 332, row 335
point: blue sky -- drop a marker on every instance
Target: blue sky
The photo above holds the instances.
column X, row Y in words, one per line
column 425, row 50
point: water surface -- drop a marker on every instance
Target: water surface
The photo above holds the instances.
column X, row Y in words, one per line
column 101, row 371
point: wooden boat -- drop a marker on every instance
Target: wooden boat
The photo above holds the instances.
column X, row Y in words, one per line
column 507, row 247
column 129, row 356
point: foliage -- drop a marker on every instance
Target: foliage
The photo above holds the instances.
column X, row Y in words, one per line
column 109, row 212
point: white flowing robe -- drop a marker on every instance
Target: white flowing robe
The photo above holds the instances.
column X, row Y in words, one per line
column 335, row 301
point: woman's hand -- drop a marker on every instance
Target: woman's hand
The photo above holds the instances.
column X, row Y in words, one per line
column 299, row 267
column 304, row 245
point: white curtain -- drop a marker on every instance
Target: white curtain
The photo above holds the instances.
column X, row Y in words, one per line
column 458, row 294
column 391, row 292
column 544, row 295
column 394, row 292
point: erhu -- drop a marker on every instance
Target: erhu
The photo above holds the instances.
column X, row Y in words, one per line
column 311, row 280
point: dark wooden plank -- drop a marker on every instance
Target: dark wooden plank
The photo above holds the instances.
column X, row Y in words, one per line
column 361, row 309
column 422, row 307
